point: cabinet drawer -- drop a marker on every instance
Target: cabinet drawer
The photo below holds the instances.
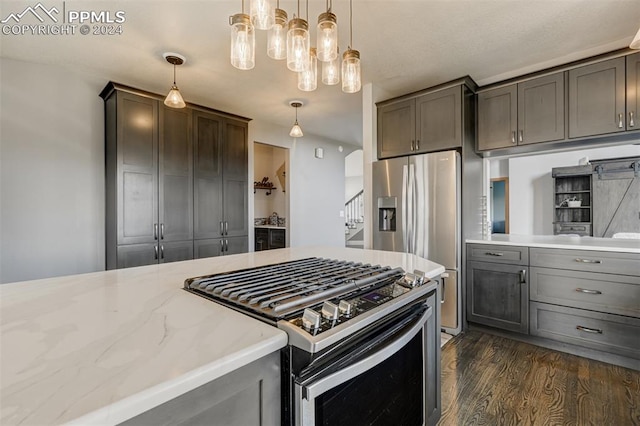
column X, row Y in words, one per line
column 605, row 332
column 498, row 254
column 615, row 294
column 587, row 260
column 582, row 229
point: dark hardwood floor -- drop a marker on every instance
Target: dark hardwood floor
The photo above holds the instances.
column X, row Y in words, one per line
column 490, row 380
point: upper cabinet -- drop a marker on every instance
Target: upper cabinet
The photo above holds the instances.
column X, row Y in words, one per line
column 522, row 113
column 427, row 121
column 597, row 98
column 588, row 99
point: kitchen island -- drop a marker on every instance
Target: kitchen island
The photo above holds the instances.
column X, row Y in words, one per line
column 104, row 347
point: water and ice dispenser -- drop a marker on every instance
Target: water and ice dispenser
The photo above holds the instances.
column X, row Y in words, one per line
column 387, row 213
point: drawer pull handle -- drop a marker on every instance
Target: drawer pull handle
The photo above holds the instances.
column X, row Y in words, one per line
column 587, row 261
column 494, row 253
column 587, row 291
column 589, row 330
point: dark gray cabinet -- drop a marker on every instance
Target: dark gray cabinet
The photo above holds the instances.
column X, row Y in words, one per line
column 167, row 173
column 597, row 98
column 269, row 238
column 523, row 113
column 497, row 290
column 220, row 246
column 427, row 121
column 220, row 177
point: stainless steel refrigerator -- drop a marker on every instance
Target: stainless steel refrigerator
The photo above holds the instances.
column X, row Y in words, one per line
column 417, row 210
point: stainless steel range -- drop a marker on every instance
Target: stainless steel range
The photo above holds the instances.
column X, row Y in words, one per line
column 352, row 328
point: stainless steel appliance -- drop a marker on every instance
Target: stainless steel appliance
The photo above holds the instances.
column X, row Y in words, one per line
column 417, row 210
column 364, row 343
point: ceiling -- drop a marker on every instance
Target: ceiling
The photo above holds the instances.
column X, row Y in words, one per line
column 404, row 45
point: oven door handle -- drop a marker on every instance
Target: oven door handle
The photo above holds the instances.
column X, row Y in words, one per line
column 305, row 395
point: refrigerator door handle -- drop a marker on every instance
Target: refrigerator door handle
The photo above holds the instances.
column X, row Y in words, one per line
column 405, row 222
column 411, row 210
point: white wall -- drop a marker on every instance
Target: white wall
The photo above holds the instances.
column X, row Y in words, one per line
column 316, row 186
column 51, row 172
column 52, row 175
column 354, row 174
column 531, row 186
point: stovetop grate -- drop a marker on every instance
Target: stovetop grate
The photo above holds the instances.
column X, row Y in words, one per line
column 276, row 291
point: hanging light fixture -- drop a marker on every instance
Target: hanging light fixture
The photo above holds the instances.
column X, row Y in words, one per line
column 174, row 98
column 308, row 78
column 243, row 41
column 262, row 16
column 351, row 82
column 296, row 131
column 297, row 43
column 277, row 36
column 331, row 71
column 635, row 43
column 327, row 35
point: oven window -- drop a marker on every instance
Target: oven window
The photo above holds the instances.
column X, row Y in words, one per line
column 391, row 393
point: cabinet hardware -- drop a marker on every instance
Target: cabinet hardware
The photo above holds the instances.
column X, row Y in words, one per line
column 162, row 252
column 513, row 137
column 162, row 231
column 523, row 276
column 413, row 146
column 221, row 228
column 589, row 330
column 221, row 246
column 417, row 144
column 442, row 298
column 587, row 291
column 226, row 245
column 156, row 250
column 587, row 261
column 155, row 231
column 520, row 136
column 620, row 122
column 226, row 228
column 493, row 253
column 631, row 120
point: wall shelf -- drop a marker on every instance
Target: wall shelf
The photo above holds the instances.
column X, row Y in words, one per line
column 266, row 188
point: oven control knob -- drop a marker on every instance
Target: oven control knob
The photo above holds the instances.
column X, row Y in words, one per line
column 345, row 308
column 310, row 319
column 330, row 311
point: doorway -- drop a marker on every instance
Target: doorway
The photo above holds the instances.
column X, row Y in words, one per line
column 270, row 196
column 499, row 205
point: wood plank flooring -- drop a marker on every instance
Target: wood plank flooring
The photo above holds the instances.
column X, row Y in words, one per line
column 490, row 380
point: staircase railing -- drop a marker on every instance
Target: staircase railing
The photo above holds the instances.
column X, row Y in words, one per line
column 354, row 210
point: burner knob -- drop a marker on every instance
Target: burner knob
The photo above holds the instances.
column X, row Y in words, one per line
column 310, row 319
column 345, row 308
column 329, row 311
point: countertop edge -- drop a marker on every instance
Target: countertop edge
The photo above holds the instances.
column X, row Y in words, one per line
column 569, row 243
column 127, row 408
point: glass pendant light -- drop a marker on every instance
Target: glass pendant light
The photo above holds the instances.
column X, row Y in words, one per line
column 297, row 43
column 327, row 35
column 243, row 41
column 351, row 81
column 331, row 71
column 277, row 36
column 308, row 78
column 174, row 98
column 261, row 12
column 296, row 131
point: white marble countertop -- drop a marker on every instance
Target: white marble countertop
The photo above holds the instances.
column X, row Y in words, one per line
column 103, row 347
column 564, row 242
column 270, row 226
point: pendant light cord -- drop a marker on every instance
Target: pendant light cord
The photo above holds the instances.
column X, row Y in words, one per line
column 174, row 74
column 350, row 24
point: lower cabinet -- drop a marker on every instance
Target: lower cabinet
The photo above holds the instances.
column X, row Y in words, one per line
column 131, row 255
column 220, row 246
column 269, row 238
column 248, row 396
column 498, row 295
